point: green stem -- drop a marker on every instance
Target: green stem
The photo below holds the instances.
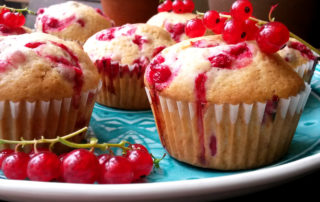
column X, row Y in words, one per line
column 42, row 140
column 20, row 10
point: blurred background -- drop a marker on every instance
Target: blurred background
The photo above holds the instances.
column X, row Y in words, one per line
column 301, row 16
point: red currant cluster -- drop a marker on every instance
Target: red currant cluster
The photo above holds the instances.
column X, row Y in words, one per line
column 178, row 6
column 78, row 166
column 239, row 25
column 11, row 19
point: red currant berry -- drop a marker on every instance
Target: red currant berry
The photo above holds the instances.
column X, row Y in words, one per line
column 20, row 19
column 234, row 32
column 272, row 37
column 44, row 166
column 4, row 153
column 103, row 158
column 13, row 20
column 195, row 28
column 117, row 170
column 39, row 150
column 178, row 6
column 212, row 20
column 166, row 6
column 188, row 6
column 241, row 9
column 251, row 29
column 15, row 166
column 138, row 147
column 141, row 162
column 2, row 12
column 80, row 166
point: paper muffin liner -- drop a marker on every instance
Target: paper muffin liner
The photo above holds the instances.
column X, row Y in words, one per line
column 226, row 136
column 306, row 70
column 125, row 90
column 57, row 117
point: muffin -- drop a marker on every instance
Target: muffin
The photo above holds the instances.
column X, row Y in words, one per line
column 6, row 31
column 174, row 23
column 225, row 107
column 300, row 57
column 71, row 20
column 121, row 55
column 48, row 87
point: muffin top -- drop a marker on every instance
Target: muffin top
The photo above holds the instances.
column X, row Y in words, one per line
column 39, row 66
column 71, row 20
column 296, row 53
column 7, row 31
column 207, row 69
column 129, row 44
column 174, row 23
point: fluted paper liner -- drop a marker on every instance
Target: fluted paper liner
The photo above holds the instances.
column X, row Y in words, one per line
column 234, row 137
column 128, row 91
column 32, row 120
column 306, row 70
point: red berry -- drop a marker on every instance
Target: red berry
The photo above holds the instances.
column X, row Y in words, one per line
column 44, row 166
column 234, row 32
column 178, row 6
column 188, row 6
column 41, row 149
column 103, row 158
column 2, row 12
column 141, row 162
column 20, row 19
column 251, row 29
column 13, row 20
column 40, row 11
column 241, row 9
column 138, row 147
column 213, row 21
column 272, row 37
column 195, row 28
column 166, row 6
column 4, row 153
column 117, row 170
column 220, row 61
column 80, row 166
column 15, row 166
column 160, row 74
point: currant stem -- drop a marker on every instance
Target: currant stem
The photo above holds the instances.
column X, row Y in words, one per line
column 20, row 10
column 42, row 140
column 156, row 161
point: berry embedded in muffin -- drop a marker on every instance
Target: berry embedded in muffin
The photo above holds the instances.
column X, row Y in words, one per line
column 121, row 55
column 71, row 20
column 235, row 106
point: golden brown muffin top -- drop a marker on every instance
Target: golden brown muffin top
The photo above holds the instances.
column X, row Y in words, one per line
column 296, row 53
column 128, row 44
column 71, row 20
column 208, row 69
column 39, row 66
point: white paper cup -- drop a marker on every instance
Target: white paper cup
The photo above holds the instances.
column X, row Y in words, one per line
column 227, row 137
column 32, row 120
column 124, row 90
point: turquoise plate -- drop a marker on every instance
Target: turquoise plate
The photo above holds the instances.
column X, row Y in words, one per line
column 176, row 179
